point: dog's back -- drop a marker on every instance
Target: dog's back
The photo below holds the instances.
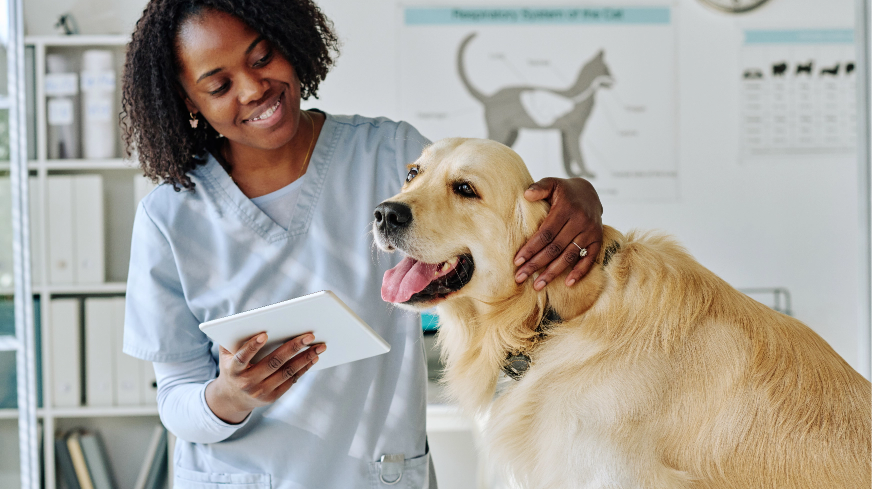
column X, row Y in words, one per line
column 694, row 383
column 777, row 408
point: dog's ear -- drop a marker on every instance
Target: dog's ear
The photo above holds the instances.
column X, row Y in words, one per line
column 527, row 218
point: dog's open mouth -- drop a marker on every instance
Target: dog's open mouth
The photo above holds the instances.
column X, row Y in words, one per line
column 413, row 281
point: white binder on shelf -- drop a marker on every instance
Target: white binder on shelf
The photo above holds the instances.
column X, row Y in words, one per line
column 36, row 230
column 66, row 344
column 61, row 252
column 88, row 232
column 99, row 352
column 128, row 376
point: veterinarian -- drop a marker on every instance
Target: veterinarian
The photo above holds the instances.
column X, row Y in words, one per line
column 262, row 202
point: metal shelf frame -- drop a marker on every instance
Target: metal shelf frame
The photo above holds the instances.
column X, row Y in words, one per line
column 25, row 346
column 39, row 168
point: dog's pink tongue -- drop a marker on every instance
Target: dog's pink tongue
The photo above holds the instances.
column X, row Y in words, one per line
column 407, row 279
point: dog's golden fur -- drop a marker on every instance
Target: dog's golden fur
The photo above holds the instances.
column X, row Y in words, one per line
column 660, row 375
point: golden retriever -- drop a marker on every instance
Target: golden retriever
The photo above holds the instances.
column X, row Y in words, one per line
column 651, row 372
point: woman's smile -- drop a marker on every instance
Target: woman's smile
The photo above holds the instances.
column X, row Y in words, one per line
column 268, row 114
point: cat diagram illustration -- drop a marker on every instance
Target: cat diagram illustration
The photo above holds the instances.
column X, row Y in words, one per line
column 529, row 107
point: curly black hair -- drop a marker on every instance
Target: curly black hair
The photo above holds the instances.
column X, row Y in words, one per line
column 154, row 118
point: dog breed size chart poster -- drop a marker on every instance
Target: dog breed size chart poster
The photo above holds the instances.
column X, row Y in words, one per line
column 799, row 93
column 576, row 91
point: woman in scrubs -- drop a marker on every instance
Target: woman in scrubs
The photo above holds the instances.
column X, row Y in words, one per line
column 262, row 202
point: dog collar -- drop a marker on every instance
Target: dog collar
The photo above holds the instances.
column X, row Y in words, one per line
column 517, row 363
column 611, row 249
column 516, row 366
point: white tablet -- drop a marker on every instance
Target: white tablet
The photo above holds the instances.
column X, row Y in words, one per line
column 348, row 338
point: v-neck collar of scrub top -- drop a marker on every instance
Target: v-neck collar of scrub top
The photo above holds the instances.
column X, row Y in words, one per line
column 231, row 200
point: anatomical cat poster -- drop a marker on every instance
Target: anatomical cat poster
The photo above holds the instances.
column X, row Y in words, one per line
column 576, row 91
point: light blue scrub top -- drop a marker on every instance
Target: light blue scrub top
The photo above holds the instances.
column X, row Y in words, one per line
column 208, row 253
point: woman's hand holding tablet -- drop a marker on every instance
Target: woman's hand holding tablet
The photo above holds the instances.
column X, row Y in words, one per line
column 264, row 351
column 242, row 386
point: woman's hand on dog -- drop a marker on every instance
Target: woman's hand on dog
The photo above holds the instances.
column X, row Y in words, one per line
column 575, row 216
column 242, row 386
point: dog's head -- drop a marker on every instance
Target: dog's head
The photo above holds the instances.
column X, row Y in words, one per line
column 459, row 219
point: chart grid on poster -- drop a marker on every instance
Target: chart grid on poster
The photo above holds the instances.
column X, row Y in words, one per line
column 799, row 93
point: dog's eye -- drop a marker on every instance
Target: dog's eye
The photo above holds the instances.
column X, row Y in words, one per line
column 464, row 190
column 413, row 172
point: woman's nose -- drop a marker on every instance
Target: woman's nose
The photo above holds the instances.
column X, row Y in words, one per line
column 252, row 87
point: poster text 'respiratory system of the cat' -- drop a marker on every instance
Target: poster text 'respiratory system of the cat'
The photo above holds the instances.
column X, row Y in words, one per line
column 585, row 91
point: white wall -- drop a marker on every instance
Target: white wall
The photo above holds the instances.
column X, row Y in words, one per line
column 792, row 223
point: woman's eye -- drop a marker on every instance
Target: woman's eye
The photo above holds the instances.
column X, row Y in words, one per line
column 413, row 172
column 264, row 60
column 220, row 89
column 464, row 189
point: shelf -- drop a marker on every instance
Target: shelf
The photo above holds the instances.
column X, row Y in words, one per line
column 8, row 343
column 104, row 412
column 73, row 289
column 80, row 164
column 84, row 289
column 83, row 164
column 440, row 417
column 13, row 413
column 77, row 40
column 8, row 414
column 86, row 412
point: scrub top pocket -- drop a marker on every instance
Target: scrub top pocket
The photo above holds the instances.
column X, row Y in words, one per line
column 190, row 479
column 415, row 474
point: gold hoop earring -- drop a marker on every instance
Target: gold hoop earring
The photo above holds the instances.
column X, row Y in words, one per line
column 194, row 121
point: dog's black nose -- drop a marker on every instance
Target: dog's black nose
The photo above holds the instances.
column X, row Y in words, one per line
column 392, row 216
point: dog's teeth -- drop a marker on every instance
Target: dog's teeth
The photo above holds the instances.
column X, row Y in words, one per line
column 446, row 265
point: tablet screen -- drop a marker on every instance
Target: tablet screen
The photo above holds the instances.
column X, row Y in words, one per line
column 347, row 336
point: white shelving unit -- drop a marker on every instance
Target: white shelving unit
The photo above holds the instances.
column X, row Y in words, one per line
column 125, row 430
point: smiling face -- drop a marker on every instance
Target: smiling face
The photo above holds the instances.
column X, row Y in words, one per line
column 237, row 80
column 459, row 219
